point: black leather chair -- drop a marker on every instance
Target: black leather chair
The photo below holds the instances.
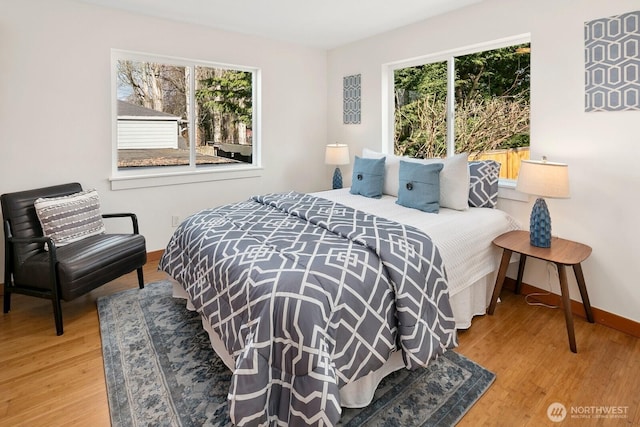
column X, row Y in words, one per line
column 65, row 272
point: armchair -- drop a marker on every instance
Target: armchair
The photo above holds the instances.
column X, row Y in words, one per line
column 62, row 272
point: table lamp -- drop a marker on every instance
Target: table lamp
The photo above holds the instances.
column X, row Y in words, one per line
column 337, row 154
column 542, row 179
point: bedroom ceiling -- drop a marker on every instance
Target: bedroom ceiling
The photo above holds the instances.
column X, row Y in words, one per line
column 323, row 24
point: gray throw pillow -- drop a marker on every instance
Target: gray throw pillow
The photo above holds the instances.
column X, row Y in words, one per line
column 483, row 183
column 67, row 219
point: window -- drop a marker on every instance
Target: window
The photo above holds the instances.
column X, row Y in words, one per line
column 179, row 116
column 474, row 101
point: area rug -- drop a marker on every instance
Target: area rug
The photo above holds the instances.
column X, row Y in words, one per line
column 161, row 371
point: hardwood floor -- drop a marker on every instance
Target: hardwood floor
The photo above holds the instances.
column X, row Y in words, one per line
column 46, row 380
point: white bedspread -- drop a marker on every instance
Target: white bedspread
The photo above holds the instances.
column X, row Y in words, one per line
column 463, row 237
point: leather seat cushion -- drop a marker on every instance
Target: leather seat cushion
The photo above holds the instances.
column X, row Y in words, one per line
column 86, row 264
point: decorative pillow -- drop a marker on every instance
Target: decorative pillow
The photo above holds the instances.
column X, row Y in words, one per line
column 483, row 183
column 368, row 177
column 454, row 178
column 454, row 181
column 67, row 219
column 391, row 169
column 419, row 186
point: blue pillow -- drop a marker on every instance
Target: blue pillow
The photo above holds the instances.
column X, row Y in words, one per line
column 420, row 186
column 368, row 177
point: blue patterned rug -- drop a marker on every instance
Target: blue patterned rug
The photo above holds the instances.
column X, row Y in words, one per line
column 161, row 371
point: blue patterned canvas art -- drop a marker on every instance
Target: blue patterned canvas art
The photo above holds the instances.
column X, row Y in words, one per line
column 612, row 63
column 351, row 99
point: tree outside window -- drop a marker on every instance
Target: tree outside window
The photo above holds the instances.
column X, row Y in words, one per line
column 491, row 115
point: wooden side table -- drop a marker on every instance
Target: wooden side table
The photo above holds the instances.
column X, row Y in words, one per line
column 562, row 253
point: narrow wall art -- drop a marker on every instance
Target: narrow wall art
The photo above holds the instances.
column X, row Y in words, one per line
column 612, row 63
column 351, row 99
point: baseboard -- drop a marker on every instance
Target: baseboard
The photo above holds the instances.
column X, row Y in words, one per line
column 601, row 317
column 155, row 255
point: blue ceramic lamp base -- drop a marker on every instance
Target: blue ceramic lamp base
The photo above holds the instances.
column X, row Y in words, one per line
column 337, row 179
column 540, row 225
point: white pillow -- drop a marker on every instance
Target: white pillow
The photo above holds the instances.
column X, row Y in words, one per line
column 454, row 177
column 391, row 170
column 67, row 219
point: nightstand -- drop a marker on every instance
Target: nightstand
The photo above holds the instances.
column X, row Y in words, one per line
column 562, row 253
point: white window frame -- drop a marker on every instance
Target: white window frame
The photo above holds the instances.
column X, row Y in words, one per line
column 388, row 104
column 171, row 175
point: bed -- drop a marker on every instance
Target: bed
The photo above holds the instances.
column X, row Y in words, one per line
column 311, row 299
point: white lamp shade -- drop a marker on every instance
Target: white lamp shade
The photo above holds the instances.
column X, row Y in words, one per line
column 337, row 154
column 544, row 179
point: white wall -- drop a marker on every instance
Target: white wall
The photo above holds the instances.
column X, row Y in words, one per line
column 601, row 148
column 55, row 106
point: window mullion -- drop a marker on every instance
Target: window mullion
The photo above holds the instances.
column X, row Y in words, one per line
column 191, row 115
column 451, row 107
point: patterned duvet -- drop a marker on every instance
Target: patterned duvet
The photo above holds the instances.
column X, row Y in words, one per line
column 308, row 295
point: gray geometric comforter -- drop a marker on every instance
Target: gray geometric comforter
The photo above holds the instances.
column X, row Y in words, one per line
column 308, row 295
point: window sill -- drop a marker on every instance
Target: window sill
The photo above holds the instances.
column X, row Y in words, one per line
column 125, row 182
column 507, row 190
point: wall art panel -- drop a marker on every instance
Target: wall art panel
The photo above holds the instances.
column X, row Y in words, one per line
column 612, row 63
column 351, row 99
